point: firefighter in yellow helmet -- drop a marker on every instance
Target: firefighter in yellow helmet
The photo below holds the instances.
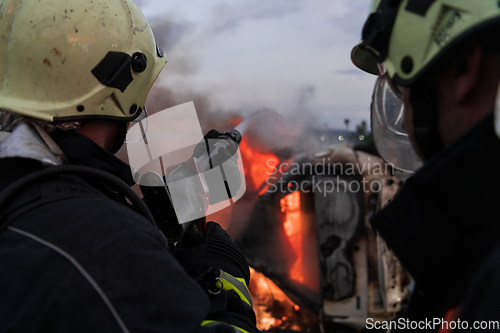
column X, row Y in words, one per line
column 438, row 67
column 79, row 251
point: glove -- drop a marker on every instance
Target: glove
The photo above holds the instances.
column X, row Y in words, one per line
column 209, row 262
column 214, row 251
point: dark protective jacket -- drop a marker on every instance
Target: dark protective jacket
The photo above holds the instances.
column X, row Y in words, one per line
column 445, row 229
column 74, row 260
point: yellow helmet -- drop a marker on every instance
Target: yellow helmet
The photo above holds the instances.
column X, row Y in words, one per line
column 64, row 60
column 402, row 40
column 407, row 36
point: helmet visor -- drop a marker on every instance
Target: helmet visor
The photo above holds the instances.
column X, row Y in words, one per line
column 391, row 139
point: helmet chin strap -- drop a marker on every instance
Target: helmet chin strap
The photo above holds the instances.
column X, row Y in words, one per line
column 425, row 120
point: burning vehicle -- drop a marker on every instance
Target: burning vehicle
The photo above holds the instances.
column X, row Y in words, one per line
column 303, row 226
column 316, row 262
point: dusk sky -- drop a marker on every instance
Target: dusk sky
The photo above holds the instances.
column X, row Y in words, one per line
column 292, row 56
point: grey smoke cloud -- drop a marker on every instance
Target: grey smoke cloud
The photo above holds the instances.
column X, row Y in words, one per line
column 229, row 16
column 236, row 57
column 170, row 32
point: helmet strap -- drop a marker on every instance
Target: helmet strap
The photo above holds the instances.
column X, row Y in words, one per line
column 423, row 100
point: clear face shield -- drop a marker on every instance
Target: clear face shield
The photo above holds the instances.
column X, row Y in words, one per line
column 387, row 114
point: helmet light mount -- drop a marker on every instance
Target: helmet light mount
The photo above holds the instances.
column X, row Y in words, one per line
column 378, row 29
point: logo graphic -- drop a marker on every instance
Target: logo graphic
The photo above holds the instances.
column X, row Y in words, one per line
column 201, row 176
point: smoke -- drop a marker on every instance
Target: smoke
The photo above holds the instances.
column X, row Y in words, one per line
column 225, row 17
column 229, row 16
column 302, row 111
column 179, row 37
column 172, row 33
column 305, row 95
column 268, row 131
column 276, row 128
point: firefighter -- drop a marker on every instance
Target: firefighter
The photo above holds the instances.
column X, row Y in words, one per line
column 438, row 67
column 78, row 249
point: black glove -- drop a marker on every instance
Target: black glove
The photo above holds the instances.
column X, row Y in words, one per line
column 215, row 250
column 204, row 261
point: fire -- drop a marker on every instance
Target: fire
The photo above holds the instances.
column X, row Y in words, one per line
column 258, row 167
column 272, row 307
column 290, row 205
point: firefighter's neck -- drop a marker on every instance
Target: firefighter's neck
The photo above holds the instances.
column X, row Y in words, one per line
column 102, row 132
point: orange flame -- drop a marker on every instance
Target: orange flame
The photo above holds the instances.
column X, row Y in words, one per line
column 258, row 167
column 266, row 296
column 290, row 205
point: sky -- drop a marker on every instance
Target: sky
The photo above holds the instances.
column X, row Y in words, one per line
column 238, row 57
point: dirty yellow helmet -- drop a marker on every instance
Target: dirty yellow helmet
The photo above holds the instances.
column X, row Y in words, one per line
column 63, row 60
column 405, row 37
